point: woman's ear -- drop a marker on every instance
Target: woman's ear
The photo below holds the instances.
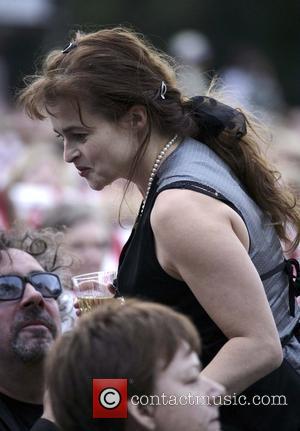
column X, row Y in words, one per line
column 136, row 118
column 142, row 415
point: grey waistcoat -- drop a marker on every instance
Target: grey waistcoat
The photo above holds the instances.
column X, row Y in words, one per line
column 195, row 162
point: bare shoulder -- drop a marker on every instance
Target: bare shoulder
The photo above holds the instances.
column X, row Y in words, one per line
column 177, row 212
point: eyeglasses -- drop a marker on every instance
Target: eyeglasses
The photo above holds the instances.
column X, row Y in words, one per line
column 13, row 286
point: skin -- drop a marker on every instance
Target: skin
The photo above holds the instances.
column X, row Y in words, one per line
column 206, row 245
column 103, row 152
column 182, row 377
column 28, row 329
column 180, row 382
column 90, row 242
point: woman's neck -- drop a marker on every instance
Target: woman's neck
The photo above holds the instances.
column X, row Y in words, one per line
column 146, row 164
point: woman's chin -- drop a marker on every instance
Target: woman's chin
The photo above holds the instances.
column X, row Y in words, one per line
column 97, row 184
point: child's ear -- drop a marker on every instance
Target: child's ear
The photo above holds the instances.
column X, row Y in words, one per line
column 143, row 415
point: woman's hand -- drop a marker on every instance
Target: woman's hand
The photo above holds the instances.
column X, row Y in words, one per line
column 77, row 308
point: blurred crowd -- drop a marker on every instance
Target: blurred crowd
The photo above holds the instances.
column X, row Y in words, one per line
column 38, row 189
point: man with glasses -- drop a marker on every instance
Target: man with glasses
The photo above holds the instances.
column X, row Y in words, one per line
column 29, row 323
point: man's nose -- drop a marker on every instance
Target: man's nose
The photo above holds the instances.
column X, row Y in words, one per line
column 32, row 296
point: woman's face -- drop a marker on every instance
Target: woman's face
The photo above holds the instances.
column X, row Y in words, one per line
column 102, row 151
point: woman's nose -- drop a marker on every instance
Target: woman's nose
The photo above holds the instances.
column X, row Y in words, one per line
column 70, row 154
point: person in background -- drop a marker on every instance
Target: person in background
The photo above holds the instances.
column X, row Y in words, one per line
column 33, row 188
column 154, row 362
column 194, row 52
column 7, row 215
column 30, row 322
column 207, row 237
column 88, row 238
column 249, row 69
column 88, row 235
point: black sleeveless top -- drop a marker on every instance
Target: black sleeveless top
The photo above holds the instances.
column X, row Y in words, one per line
column 140, row 275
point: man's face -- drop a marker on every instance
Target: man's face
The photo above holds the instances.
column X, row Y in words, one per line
column 30, row 324
column 181, row 378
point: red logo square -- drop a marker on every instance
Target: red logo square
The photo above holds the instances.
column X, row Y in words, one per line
column 109, row 398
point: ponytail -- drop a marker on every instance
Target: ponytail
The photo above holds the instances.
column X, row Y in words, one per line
column 225, row 133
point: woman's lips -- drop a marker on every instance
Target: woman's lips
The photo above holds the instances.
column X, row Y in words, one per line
column 83, row 172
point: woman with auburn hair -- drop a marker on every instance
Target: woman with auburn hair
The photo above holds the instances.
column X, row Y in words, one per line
column 207, row 237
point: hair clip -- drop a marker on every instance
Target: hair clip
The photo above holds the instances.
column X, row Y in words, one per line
column 69, row 47
column 163, row 89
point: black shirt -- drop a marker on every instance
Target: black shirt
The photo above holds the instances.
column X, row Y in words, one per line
column 17, row 415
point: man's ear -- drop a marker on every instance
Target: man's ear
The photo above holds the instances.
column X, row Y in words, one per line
column 142, row 415
column 136, row 118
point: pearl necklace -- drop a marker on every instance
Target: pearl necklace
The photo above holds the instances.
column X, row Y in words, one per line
column 155, row 169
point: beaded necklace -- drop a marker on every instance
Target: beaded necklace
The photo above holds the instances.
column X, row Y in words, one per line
column 155, row 167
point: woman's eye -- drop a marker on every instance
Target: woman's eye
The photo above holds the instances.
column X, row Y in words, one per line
column 79, row 137
column 59, row 137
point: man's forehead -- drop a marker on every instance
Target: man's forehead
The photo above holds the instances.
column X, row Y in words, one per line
column 18, row 261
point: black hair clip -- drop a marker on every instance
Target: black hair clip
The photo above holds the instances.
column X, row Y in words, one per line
column 69, row 47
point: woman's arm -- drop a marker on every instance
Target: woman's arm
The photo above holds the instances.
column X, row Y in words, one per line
column 204, row 242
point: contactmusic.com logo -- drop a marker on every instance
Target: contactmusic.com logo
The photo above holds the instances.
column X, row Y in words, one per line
column 109, row 398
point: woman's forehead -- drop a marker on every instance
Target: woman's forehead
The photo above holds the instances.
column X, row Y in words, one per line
column 64, row 108
column 66, row 116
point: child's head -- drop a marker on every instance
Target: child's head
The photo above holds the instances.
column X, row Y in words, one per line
column 152, row 346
